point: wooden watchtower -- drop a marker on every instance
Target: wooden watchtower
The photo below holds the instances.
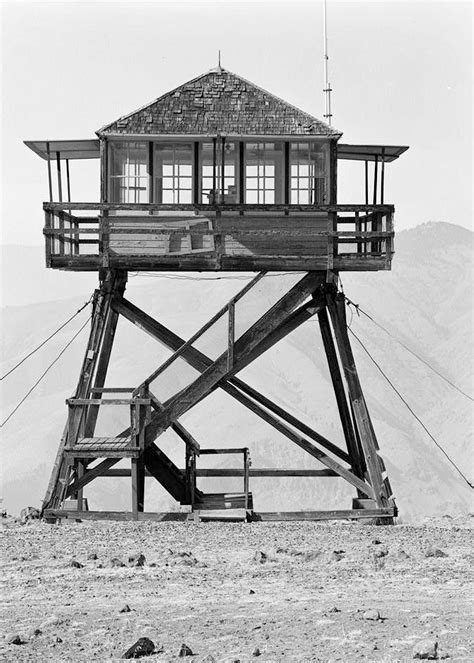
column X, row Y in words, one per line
column 216, row 175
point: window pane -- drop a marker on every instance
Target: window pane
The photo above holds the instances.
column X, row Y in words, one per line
column 173, row 164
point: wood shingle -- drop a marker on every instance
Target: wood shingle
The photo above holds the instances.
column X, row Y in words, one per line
column 219, row 102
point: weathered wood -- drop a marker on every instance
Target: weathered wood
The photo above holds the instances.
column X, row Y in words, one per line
column 235, row 472
column 201, row 386
column 307, row 446
column 342, row 514
column 116, row 515
column 138, row 486
column 338, row 386
column 336, row 305
column 200, row 362
column 239, row 450
column 187, row 207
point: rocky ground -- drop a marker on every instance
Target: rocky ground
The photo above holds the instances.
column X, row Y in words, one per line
column 237, row 592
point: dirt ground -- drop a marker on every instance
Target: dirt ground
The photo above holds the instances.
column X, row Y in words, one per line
column 237, row 592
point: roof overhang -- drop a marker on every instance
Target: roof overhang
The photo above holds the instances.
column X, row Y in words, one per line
column 370, row 152
column 65, row 149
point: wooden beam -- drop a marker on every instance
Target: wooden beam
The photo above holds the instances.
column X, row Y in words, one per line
column 307, row 446
column 115, row 515
column 347, row 514
column 234, row 472
column 338, row 386
column 336, row 305
column 201, row 386
column 200, row 362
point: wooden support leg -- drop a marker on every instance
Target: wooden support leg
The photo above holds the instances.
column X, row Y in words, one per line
column 79, row 496
column 375, row 466
column 138, row 486
column 101, row 306
column 338, row 385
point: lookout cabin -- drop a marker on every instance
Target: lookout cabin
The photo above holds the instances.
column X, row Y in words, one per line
column 217, row 174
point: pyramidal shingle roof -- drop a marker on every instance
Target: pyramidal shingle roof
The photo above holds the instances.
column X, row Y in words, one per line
column 219, row 102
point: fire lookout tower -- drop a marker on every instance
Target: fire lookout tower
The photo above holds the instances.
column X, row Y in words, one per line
column 216, row 175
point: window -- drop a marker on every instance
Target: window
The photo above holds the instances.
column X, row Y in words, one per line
column 264, row 173
column 308, row 173
column 173, row 173
column 128, row 172
column 226, row 154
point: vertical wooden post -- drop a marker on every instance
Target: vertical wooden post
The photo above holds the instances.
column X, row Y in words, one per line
column 60, row 183
column 241, row 198
column 50, row 179
column 382, row 177
column 286, row 172
column 246, row 477
column 222, row 170
column 336, row 305
column 196, row 174
column 103, row 170
column 214, row 171
column 366, row 182
column 339, row 392
column 376, row 171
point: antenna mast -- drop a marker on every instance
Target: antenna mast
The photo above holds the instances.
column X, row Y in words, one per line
column 327, row 86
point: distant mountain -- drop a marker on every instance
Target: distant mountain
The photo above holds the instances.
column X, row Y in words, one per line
column 425, row 301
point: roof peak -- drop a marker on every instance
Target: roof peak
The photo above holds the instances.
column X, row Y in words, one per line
column 209, row 105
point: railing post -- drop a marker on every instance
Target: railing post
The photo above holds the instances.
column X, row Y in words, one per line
column 48, row 237
column 104, row 237
column 246, row 477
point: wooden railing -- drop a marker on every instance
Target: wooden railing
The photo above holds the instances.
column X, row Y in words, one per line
column 345, row 236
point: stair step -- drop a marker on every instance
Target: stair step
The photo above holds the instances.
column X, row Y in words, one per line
column 101, row 447
column 221, row 501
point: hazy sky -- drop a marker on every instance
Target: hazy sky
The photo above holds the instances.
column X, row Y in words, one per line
column 401, row 74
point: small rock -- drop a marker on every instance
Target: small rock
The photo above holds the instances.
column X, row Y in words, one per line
column 334, row 609
column 76, row 565
column 29, row 513
column 58, row 639
column 376, row 542
column 380, row 552
column 426, row 649
column 15, row 640
column 260, row 557
column 336, row 556
column 115, row 562
column 256, row 652
column 142, row 647
column 185, row 651
column 37, row 632
column 92, row 556
column 183, row 559
column 372, row 615
column 434, row 552
column 126, row 608
column 251, row 591
column 136, row 560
